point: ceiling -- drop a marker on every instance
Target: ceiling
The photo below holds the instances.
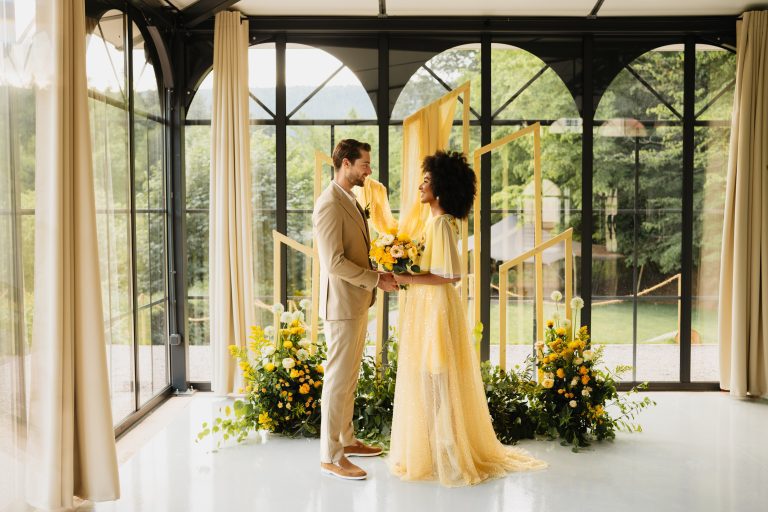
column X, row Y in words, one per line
column 578, row 8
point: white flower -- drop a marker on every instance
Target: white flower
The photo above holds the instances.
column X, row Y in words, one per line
column 588, row 355
column 539, row 345
column 556, row 296
column 288, row 363
column 278, row 309
column 298, row 316
column 574, row 381
column 304, row 343
column 577, row 303
column 388, row 238
column 547, row 383
column 288, row 405
column 549, row 375
column 379, row 242
column 269, row 331
column 286, row 317
column 397, row 251
column 305, row 304
column 586, row 391
column 578, row 361
column 573, row 403
column 567, row 323
column 302, row 354
column 268, row 351
column 555, row 316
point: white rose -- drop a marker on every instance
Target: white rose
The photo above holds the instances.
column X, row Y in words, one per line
column 588, row 355
column 388, row 238
column 547, row 383
column 286, row 317
column 304, row 343
column 574, row 381
column 577, row 303
column 288, row 363
column 586, row 391
column 302, row 354
column 573, row 403
column 278, row 309
column 268, row 350
column 305, row 304
column 578, row 361
column 556, row 296
column 397, row 251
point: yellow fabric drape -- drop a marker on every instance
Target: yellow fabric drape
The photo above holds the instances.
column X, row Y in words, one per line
column 230, row 250
column 424, row 132
column 373, row 196
column 743, row 309
column 70, row 438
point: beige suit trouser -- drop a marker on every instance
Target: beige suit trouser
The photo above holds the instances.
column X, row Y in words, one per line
column 345, row 341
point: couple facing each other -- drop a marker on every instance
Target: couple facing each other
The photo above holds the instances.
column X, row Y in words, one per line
column 441, row 427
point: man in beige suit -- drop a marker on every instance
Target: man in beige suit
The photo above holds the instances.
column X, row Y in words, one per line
column 347, row 290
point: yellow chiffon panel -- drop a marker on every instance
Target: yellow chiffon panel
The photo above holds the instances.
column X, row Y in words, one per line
column 373, row 196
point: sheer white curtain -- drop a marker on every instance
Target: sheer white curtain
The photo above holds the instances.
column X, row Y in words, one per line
column 743, row 308
column 230, row 248
column 70, row 436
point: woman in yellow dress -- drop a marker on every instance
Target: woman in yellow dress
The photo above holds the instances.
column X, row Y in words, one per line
column 441, row 428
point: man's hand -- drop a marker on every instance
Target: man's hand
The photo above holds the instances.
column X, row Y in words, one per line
column 387, row 282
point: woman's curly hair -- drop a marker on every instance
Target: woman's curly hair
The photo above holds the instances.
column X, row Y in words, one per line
column 453, row 182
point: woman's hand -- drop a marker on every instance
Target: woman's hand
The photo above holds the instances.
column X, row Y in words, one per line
column 402, row 278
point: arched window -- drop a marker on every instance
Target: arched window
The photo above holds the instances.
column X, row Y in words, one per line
column 129, row 184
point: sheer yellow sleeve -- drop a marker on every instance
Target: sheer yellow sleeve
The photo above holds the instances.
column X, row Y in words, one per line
column 441, row 255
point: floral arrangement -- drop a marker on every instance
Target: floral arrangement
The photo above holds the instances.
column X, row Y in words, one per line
column 395, row 253
column 573, row 393
column 282, row 378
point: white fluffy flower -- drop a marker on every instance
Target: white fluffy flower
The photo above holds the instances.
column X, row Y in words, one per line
column 304, row 343
column 577, row 303
column 268, row 351
column 286, row 317
column 269, row 331
column 298, row 316
column 288, row 363
column 588, row 355
column 278, row 309
column 573, row 403
column 578, row 361
column 555, row 316
column 302, row 354
column 397, row 251
column 556, row 296
column 305, row 304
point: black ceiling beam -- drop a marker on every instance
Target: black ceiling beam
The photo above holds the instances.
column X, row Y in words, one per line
column 202, row 10
column 452, row 25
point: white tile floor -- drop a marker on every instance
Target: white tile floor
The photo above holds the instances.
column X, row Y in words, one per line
column 698, row 452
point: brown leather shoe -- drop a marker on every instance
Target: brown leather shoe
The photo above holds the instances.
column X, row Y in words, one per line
column 343, row 469
column 360, row 449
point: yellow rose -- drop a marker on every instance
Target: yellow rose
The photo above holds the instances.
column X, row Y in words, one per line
column 318, row 383
column 560, row 373
column 584, row 379
column 320, row 369
column 304, row 389
column 270, row 367
column 560, row 331
column 547, row 383
column 287, row 344
column 583, row 370
column 294, row 373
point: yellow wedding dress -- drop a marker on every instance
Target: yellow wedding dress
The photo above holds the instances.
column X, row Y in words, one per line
column 441, row 429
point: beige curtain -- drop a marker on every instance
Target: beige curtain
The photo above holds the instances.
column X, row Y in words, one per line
column 743, row 310
column 70, row 444
column 424, row 132
column 230, row 251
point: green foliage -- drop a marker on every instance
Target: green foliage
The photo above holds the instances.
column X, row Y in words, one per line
column 375, row 398
column 506, row 393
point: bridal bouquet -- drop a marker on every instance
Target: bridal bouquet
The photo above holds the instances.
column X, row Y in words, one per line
column 572, row 398
column 282, row 382
column 395, row 253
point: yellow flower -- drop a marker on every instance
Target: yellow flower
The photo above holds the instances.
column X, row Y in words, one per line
column 318, row 383
column 320, row 369
column 280, row 405
column 583, row 370
column 304, row 389
column 560, row 373
column 560, row 391
column 270, row 367
column 550, row 324
column 264, row 418
column 287, row 344
column 584, row 379
column 294, row 373
column 560, row 331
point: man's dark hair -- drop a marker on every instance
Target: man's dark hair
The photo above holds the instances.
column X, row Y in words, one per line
column 453, row 182
column 349, row 149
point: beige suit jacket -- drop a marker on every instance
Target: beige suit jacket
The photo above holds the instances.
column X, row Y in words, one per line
column 347, row 282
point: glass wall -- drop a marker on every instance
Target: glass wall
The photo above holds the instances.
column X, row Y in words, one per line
column 129, row 181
